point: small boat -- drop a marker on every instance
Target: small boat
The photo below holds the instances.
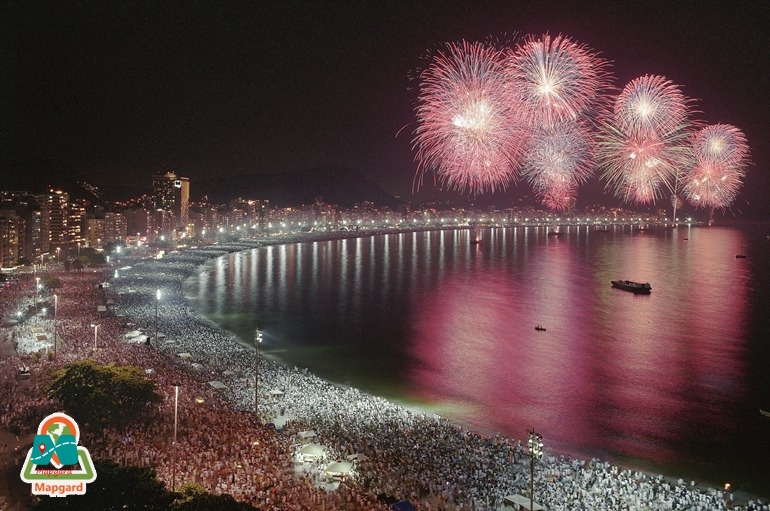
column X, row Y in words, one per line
column 475, row 238
column 634, row 287
column 540, row 328
column 740, row 256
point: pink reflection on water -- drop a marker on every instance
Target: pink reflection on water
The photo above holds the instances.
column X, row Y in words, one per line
column 614, row 372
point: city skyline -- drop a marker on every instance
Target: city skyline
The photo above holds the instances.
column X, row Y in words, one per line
column 113, row 92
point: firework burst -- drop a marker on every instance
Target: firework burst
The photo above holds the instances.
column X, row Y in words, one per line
column 722, row 157
column 560, row 157
column 554, row 79
column 651, row 103
column 467, row 131
column 644, row 145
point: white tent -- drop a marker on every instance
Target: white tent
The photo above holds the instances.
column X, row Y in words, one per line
column 280, row 421
column 228, row 373
column 519, row 502
column 217, row 384
column 197, row 366
column 312, row 452
column 357, row 457
column 339, row 469
column 276, row 392
column 305, row 435
column 185, row 355
column 132, row 334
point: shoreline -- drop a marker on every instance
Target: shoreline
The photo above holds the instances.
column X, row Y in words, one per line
column 281, row 374
column 416, row 408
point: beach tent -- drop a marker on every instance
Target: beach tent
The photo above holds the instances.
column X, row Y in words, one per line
column 357, row 457
column 276, row 392
column 280, row 421
column 185, row 355
column 197, row 366
column 218, row 385
column 132, row 334
column 306, row 435
column 339, row 469
column 312, row 452
column 516, row 502
column 228, row 373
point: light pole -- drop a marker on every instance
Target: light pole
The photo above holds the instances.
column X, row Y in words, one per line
column 55, row 324
column 534, row 451
column 157, row 300
column 257, row 341
column 57, row 254
column 173, row 470
column 96, row 330
column 37, row 290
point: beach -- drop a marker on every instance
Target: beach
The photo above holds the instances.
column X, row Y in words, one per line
column 222, row 444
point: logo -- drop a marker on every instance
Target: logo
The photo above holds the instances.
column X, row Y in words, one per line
column 55, row 465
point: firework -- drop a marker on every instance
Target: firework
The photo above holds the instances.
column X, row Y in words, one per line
column 650, row 103
column 467, row 131
column 644, row 145
column 555, row 79
column 722, row 157
column 559, row 158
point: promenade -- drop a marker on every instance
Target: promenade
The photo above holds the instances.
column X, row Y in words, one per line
column 226, row 447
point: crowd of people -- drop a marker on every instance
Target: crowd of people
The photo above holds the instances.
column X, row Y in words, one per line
column 222, row 444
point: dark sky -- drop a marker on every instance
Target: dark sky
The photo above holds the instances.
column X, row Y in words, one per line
column 116, row 90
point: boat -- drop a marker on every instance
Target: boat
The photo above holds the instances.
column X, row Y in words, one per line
column 475, row 238
column 740, row 256
column 766, row 414
column 634, row 287
column 540, row 328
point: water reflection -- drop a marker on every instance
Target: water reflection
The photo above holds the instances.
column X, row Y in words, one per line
column 430, row 317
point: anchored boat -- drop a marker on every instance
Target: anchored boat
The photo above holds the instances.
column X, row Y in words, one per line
column 634, row 287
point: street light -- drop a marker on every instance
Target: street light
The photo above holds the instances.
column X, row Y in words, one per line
column 157, row 300
column 173, row 470
column 57, row 254
column 534, row 451
column 55, row 324
column 257, row 342
column 96, row 330
column 37, row 288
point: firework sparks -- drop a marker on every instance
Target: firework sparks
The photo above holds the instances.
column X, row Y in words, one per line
column 559, row 159
column 644, row 146
column 649, row 103
column 467, row 131
column 722, row 157
column 555, row 79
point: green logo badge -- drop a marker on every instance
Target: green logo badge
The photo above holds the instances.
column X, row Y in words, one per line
column 55, row 465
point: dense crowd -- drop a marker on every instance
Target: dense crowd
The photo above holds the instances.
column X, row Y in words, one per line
column 223, row 445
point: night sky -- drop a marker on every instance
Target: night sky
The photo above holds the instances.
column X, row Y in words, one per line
column 116, row 90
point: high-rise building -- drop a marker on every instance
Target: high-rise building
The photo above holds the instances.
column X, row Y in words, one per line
column 172, row 193
column 55, row 219
column 11, row 238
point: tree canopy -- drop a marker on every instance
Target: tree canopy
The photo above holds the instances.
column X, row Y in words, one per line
column 116, row 488
column 103, row 394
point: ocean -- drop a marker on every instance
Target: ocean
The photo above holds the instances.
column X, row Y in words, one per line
column 670, row 382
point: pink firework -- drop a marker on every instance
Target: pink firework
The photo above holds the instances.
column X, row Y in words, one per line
column 721, row 143
column 722, row 157
column 650, row 103
column 644, row 143
column 639, row 166
column 467, row 133
column 555, row 79
column 560, row 157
